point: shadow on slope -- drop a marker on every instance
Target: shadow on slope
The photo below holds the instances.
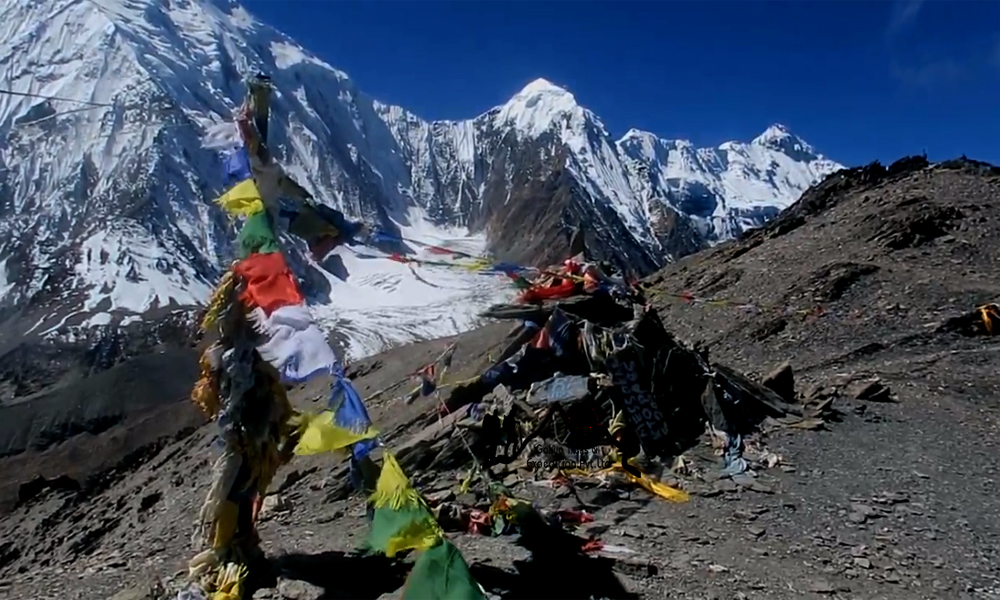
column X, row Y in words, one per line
column 96, row 403
column 344, row 576
column 83, row 429
column 558, row 570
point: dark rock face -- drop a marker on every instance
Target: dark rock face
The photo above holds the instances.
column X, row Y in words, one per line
column 697, row 200
column 530, row 215
column 30, row 364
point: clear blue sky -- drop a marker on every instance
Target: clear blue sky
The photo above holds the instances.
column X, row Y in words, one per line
column 858, row 80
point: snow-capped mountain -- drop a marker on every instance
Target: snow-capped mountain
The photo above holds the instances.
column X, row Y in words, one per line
column 108, row 165
column 729, row 189
column 542, row 158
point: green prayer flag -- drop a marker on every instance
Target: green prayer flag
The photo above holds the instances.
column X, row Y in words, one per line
column 441, row 573
column 257, row 236
column 409, row 528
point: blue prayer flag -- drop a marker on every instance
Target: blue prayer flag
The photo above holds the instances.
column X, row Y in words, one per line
column 348, row 409
column 364, row 448
column 381, row 236
column 236, row 165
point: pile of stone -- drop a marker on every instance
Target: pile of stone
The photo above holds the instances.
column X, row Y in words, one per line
column 599, row 376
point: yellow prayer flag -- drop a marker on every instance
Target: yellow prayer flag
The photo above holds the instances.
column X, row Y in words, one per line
column 242, row 200
column 419, row 536
column 321, row 434
column 644, row 481
column 393, row 489
column 478, row 265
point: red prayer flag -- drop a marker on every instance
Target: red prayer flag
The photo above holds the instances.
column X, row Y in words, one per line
column 270, row 283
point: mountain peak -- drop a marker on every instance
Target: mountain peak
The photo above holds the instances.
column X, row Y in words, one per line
column 637, row 133
column 776, row 132
column 542, row 86
column 780, row 137
column 537, row 106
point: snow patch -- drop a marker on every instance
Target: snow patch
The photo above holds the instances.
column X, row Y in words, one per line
column 98, row 320
column 5, row 284
column 133, row 272
column 286, row 55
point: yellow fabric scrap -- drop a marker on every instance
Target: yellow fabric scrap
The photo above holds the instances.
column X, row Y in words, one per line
column 203, row 563
column 987, row 313
column 225, row 525
column 655, row 487
column 229, row 582
column 512, row 510
column 644, row 481
column 220, row 296
column 478, row 265
column 618, row 423
column 242, row 200
column 320, row 434
column 206, row 391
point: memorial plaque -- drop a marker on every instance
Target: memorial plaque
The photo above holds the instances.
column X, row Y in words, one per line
column 632, row 392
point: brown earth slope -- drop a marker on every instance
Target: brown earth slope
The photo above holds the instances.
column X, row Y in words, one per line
column 870, row 275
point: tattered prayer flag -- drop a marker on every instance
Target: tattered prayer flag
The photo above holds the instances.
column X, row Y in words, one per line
column 409, row 528
column 519, row 281
column 383, row 237
column 295, row 345
column 402, row 520
column 427, row 385
column 448, row 355
column 393, row 489
column 242, row 200
column 364, row 448
column 503, row 267
column 270, row 283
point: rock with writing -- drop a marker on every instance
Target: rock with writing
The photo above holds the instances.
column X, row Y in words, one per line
column 559, row 390
column 640, row 408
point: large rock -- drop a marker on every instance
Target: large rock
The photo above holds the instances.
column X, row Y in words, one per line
column 782, row 381
column 291, row 589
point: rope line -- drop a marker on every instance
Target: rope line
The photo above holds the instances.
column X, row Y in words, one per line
column 44, row 97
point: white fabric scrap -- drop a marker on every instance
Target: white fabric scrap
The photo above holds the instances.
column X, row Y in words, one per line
column 297, row 347
column 616, row 549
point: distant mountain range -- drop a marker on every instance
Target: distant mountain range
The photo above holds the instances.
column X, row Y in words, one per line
column 106, row 217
